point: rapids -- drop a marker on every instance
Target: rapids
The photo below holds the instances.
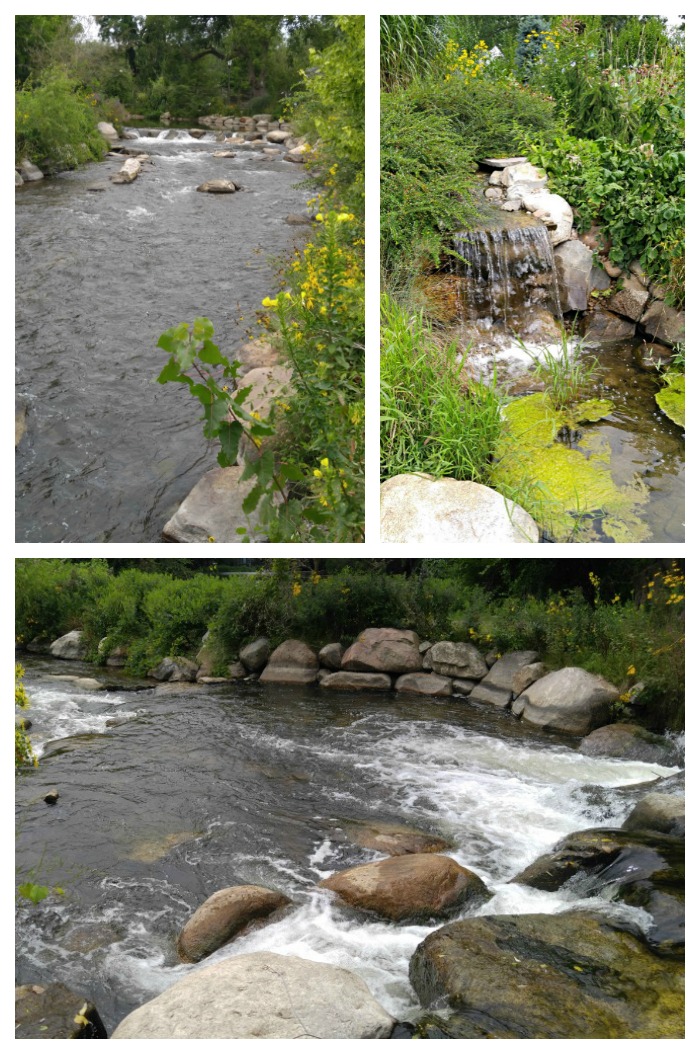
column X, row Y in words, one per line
column 109, row 454
column 169, row 794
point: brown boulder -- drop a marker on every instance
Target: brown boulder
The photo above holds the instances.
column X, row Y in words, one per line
column 457, row 660
column 292, row 663
column 393, row 839
column 384, row 651
column 347, row 681
column 424, row 684
column 222, row 917
column 416, row 887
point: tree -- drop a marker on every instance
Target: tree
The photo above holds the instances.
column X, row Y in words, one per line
column 33, row 34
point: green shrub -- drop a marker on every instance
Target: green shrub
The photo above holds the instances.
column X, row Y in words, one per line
column 426, row 183
column 52, row 596
column 432, row 418
column 55, row 124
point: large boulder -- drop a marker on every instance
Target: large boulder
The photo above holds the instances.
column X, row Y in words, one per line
column 218, row 186
column 223, row 916
column 293, row 662
column 417, row 887
column 623, row 740
column 569, row 700
column 457, row 659
column 213, row 510
column 109, row 132
column 419, row 509
column 384, row 651
column 498, row 686
column 347, row 681
column 424, row 684
column 70, row 646
column 664, row 323
column 174, row 668
column 630, row 299
column 52, row 1011
column 262, row 996
column 254, row 656
column 565, row 976
column 658, row 812
column 29, row 171
column 574, row 264
column 392, row 838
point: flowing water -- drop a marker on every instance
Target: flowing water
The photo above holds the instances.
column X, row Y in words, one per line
column 109, row 454
column 168, row 794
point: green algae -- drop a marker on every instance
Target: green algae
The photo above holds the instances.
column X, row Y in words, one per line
column 569, row 490
column 671, row 399
column 592, row 410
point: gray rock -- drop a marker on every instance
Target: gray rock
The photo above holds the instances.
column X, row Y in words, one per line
column 298, row 219
column 70, row 646
column 460, row 686
column 419, row 509
column 658, row 812
column 424, row 684
column 605, row 327
column 236, row 671
column 569, row 700
column 488, row 693
column 213, row 510
column 174, row 669
column 331, row 656
column 262, row 996
column 631, row 300
column 293, row 662
column 29, row 171
column 254, row 656
column 223, row 916
column 277, row 136
column 574, row 263
column 128, row 172
column 392, row 838
column 19, row 182
column 624, row 740
column 218, row 186
column 664, row 323
column 347, row 681
column 527, row 675
column 458, row 659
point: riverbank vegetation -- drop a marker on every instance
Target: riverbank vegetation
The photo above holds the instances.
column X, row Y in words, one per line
column 596, row 101
column 620, row 618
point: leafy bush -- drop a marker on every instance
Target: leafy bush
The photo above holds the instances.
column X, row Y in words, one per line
column 51, row 596
column 432, row 418
column 636, row 196
column 55, row 124
column 426, row 183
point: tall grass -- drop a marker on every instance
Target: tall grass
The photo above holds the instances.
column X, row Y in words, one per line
column 409, row 45
column 432, row 418
column 567, row 377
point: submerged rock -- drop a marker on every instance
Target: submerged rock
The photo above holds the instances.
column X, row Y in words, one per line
column 414, row 888
column 565, row 976
column 223, row 916
column 219, row 186
column 623, row 740
column 262, row 996
column 392, row 838
column 53, row 1011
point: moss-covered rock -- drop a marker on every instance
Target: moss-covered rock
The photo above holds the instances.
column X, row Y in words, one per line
column 671, row 399
column 567, row 976
column 568, row 489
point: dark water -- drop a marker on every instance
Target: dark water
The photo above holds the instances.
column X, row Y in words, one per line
column 194, row 789
column 109, row 454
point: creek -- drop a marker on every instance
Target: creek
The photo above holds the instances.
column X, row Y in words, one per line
column 168, row 794
column 110, row 454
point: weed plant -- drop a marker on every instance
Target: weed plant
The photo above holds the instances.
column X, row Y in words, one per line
column 432, row 418
column 567, row 376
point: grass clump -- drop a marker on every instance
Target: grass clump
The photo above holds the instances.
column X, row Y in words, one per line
column 433, row 418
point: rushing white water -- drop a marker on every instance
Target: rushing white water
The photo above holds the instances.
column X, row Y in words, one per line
column 262, row 801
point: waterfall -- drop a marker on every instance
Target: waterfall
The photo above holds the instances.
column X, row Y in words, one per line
column 504, row 272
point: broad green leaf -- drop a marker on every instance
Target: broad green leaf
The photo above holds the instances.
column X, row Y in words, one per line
column 210, row 354
column 202, row 329
column 252, row 499
column 229, row 436
column 171, row 372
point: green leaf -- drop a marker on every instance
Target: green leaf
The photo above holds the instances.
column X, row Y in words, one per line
column 229, row 436
column 314, row 514
column 292, row 472
column 252, row 499
column 172, row 372
column 30, row 891
column 210, row 354
column 202, row 329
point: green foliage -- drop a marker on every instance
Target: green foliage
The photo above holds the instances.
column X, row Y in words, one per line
column 330, row 109
column 637, row 198
column 55, row 124
column 34, row 34
column 426, row 183
column 410, row 46
column 531, row 31
column 432, row 417
column 567, row 372
column 51, row 595
column 24, row 755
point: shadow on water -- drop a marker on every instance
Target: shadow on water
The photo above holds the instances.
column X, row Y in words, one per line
column 109, row 454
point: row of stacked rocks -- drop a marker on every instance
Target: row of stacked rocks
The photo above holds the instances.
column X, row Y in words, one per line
column 638, row 304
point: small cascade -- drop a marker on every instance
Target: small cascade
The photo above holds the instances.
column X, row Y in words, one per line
column 506, row 273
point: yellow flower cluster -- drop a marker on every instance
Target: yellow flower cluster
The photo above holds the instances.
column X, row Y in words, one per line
column 549, row 38
column 465, row 63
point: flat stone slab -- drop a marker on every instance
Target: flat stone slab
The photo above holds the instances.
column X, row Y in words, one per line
column 212, row 511
column 417, row 508
column 503, row 162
